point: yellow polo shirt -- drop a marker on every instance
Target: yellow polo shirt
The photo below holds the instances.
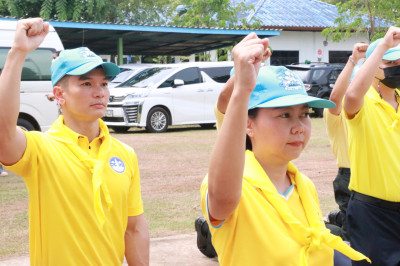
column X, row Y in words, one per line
column 63, row 226
column 336, row 128
column 374, row 135
column 256, row 233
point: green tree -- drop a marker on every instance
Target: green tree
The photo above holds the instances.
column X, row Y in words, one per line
column 114, row 11
column 153, row 12
column 210, row 13
column 372, row 17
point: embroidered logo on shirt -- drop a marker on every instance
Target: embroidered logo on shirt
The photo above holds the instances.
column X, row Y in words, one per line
column 117, row 165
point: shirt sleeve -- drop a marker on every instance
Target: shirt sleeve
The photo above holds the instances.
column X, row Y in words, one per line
column 28, row 164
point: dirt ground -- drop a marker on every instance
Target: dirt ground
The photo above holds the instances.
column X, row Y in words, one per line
column 172, row 250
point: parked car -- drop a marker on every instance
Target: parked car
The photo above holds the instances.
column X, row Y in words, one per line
column 170, row 94
column 127, row 72
column 318, row 79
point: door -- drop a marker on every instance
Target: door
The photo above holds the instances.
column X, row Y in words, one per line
column 188, row 99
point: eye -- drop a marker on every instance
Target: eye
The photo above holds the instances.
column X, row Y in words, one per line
column 305, row 114
column 285, row 115
column 87, row 83
column 105, row 84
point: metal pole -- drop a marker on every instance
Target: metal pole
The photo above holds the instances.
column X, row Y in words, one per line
column 120, row 51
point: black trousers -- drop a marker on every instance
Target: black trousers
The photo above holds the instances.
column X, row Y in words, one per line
column 342, row 196
column 375, row 232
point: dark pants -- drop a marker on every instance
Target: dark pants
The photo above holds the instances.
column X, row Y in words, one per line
column 342, row 196
column 375, row 232
column 340, row 260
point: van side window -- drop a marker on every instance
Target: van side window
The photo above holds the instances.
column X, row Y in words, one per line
column 36, row 66
column 189, row 75
column 218, row 74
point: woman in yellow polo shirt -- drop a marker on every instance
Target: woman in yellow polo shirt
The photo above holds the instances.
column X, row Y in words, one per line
column 261, row 209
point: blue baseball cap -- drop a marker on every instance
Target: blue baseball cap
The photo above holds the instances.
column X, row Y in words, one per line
column 77, row 62
column 391, row 54
column 277, row 86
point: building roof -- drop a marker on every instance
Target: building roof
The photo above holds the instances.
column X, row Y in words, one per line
column 147, row 39
column 293, row 14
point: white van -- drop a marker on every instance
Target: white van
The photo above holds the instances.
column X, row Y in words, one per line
column 170, row 94
column 36, row 111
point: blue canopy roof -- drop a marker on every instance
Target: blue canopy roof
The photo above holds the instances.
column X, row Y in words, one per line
column 148, row 39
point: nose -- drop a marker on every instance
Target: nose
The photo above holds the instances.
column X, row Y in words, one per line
column 297, row 127
column 100, row 91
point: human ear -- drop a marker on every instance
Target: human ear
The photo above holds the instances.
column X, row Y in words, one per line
column 249, row 128
column 59, row 95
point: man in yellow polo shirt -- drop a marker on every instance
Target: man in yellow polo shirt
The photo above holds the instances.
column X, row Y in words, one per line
column 85, row 205
column 371, row 107
column 336, row 128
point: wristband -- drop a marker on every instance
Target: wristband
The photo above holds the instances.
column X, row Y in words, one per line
column 352, row 60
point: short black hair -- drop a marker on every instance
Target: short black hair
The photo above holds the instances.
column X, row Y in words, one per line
column 252, row 113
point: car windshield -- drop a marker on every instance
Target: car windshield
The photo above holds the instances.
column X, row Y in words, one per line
column 148, row 77
column 125, row 73
column 302, row 73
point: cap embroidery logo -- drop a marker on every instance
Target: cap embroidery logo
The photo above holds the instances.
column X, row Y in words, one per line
column 117, row 165
column 288, row 80
column 86, row 53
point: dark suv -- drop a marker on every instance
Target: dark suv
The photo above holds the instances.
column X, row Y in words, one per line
column 318, row 79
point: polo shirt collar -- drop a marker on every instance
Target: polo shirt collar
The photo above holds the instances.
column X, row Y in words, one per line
column 256, row 176
column 376, row 98
column 63, row 133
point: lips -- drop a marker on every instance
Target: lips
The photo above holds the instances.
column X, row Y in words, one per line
column 98, row 105
column 296, row 143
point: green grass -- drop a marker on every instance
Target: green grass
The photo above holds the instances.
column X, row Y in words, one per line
column 172, row 166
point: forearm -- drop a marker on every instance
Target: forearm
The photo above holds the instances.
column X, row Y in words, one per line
column 137, row 244
column 227, row 159
column 225, row 95
column 9, row 93
column 340, row 87
column 354, row 98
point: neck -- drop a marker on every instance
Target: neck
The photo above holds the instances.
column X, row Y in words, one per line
column 89, row 129
column 387, row 94
column 276, row 173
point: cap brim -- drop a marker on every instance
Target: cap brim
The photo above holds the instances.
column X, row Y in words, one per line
column 110, row 69
column 296, row 99
column 392, row 56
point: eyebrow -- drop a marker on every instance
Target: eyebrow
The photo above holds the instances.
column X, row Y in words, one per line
column 86, row 77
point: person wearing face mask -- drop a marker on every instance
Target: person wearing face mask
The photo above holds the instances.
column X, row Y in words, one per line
column 371, row 106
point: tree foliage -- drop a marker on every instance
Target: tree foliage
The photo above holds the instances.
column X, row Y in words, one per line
column 180, row 13
column 363, row 16
column 210, row 13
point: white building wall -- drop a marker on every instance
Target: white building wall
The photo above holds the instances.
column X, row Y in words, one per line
column 308, row 43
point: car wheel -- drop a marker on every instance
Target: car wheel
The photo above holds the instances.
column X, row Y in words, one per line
column 120, row 129
column 319, row 112
column 157, row 120
column 25, row 124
